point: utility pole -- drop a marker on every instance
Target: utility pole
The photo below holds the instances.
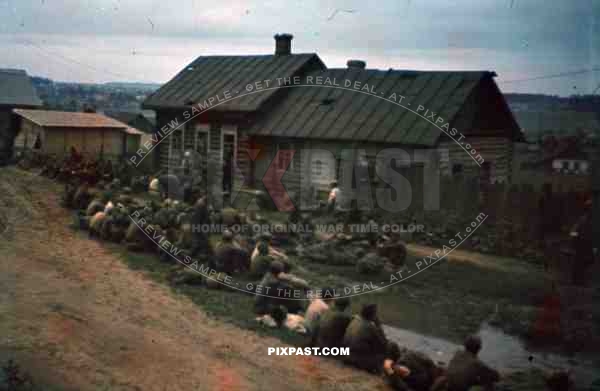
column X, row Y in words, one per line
column 594, row 155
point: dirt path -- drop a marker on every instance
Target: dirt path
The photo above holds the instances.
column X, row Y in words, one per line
column 487, row 261
column 79, row 318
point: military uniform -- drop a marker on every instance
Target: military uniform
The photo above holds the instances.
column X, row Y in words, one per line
column 367, row 343
column 231, row 258
column 200, row 244
column 423, row 370
column 466, row 370
column 331, row 327
column 265, row 301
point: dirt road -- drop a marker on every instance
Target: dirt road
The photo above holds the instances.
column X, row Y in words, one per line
column 75, row 316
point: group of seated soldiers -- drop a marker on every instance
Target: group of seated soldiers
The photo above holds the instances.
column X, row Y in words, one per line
column 327, row 319
column 329, row 323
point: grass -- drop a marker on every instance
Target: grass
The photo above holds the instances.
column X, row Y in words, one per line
column 449, row 300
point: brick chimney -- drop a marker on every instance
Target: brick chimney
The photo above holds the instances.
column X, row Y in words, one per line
column 358, row 64
column 283, row 44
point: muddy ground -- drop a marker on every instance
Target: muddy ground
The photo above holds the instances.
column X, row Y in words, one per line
column 76, row 316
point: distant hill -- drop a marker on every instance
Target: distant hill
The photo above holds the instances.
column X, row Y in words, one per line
column 133, row 85
column 113, row 96
column 540, row 102
column 541, row 115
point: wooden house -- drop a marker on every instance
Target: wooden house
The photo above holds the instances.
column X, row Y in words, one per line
column 318, row 124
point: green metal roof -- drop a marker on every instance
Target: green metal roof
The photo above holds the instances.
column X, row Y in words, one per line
column 345, row 114
column 211, row 76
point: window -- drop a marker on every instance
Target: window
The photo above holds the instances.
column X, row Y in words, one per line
column 175, row 148
column 457, row 169
column 486, row 171
column 318, row 168
column 322, row 168
column 284, row 156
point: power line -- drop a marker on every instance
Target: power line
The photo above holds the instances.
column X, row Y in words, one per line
column 63, row 63
column 106, row 71
column 553, row 76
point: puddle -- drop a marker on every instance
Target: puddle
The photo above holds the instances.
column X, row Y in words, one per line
column 503, row 352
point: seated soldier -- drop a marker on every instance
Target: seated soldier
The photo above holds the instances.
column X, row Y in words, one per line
column 292, row 279
column 230, row 257
column 69, row 193
column 318, row 305
column 268, row 286
column 293, row 290
column 261, row 263
column 465, row 370
column 82, row 197
column 266, row 238
column 366, row 340
column 329, row 330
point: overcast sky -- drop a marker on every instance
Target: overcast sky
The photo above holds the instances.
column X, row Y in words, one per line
column 151, row 40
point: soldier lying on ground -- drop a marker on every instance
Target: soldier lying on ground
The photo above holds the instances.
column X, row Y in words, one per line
column 329, row 329
column 466, row 370
column 279, row 317
column 366, row 340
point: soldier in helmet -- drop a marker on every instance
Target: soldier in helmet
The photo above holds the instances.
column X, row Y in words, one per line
column 466, row 370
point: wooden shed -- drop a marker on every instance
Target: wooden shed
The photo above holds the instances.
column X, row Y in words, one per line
column 91, row 134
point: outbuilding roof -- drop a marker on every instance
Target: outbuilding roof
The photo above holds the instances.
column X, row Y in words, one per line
column 67, row 119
